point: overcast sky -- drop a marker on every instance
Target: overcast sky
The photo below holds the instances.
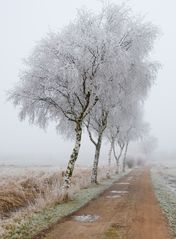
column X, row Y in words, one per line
column 24, row 22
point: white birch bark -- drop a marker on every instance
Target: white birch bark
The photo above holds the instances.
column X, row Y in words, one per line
column 117, row 158
column 108, row 175
column 124, row 158
column 74, row 156
column 96, row 159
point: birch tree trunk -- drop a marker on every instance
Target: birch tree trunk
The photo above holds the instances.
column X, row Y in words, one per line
column 109, row 160
column 124, row 158
column 74, row 155
column 117, row 158
column 110, row 155
column 96, row 159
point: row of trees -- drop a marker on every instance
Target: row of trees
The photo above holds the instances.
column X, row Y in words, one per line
column 94, row 74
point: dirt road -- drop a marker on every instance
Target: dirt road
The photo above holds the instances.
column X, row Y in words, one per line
column 127, row 210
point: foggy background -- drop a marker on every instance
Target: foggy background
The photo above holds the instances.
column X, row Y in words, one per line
column 22, row 24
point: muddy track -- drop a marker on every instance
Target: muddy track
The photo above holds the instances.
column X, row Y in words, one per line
column 127, row 210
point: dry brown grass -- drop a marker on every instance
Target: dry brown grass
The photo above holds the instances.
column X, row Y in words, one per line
column 39, row 189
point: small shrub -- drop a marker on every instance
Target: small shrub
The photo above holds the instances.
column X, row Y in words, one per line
column 131, row 163
column 140, row 162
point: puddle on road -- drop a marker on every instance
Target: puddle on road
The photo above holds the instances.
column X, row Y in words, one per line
column 119, row 192
column 130, row 178
column 114, row 196
column 86, row 218
column 123, row 183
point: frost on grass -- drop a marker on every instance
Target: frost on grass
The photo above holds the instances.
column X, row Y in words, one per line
column 36, row 189
column 86, row 218
column 30, row 221
column 165, row 196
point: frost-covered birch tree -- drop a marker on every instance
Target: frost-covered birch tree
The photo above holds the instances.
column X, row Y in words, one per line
column 133, row 130
column 112, row 132
column 130, row 78
column 60, row 79
column 64, row 73
column 68, row 71
column 96, row 125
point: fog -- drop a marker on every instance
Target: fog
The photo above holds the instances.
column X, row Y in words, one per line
column 22, row 24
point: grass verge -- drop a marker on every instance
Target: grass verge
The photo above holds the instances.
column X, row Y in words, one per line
column 166, row 198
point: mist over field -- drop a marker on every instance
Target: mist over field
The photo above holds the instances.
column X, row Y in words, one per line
column 53, row 154
column 26, row 144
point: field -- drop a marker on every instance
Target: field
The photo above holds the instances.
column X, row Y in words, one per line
column 164, row 180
